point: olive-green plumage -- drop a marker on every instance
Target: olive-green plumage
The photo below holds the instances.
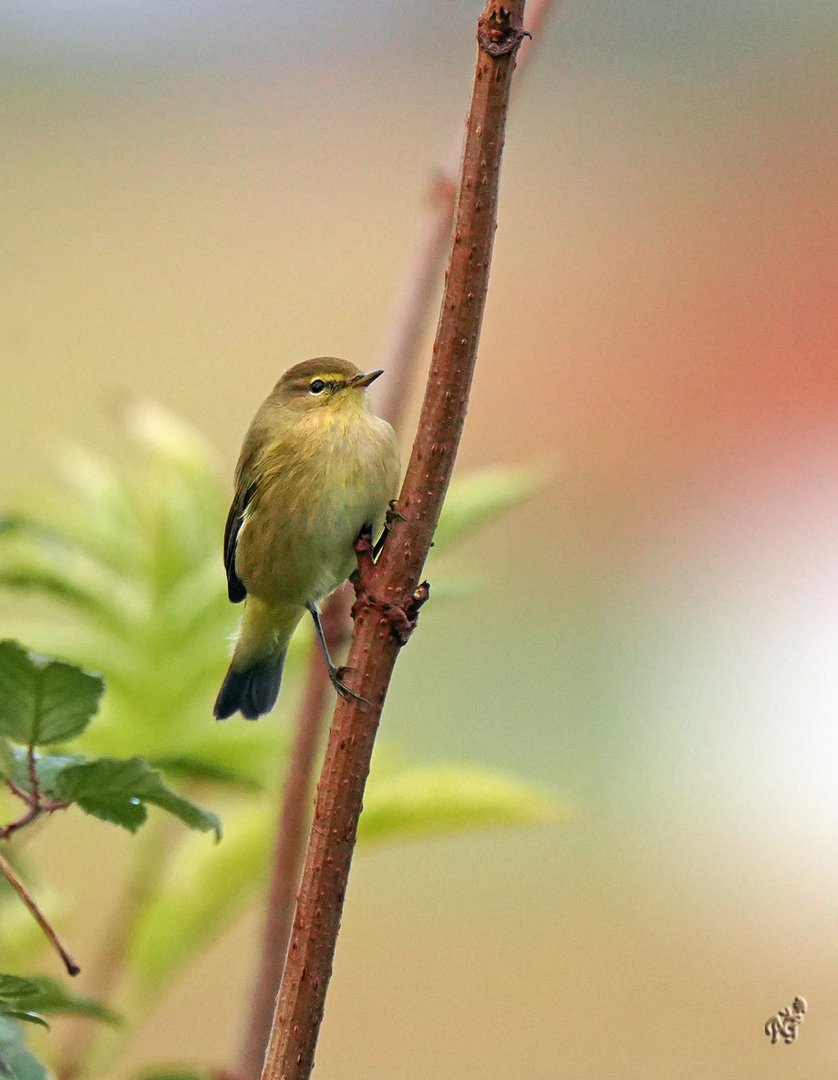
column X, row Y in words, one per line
column 316, row 466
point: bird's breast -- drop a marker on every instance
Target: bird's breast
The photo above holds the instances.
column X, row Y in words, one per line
column 314, row 497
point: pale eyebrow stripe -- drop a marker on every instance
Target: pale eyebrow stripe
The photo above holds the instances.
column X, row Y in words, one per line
column 332, row 379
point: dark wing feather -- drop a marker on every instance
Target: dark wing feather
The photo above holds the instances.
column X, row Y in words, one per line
column 235, row 587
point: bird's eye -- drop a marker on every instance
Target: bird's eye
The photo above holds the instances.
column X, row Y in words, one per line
column 317, row 387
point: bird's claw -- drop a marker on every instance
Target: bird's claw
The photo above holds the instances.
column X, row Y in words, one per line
column 336, row 675
column 393, row 513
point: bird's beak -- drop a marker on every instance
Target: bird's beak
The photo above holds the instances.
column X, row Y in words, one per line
column 365, row 380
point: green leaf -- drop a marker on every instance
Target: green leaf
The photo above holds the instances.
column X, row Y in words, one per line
column 117, row 791
column 26, row 1016
column 15, row 524
column 61, row 587
column 193, row 768
column 201, row 891
column 43, row 701
column 431, row 799
column 47, row 769
column 15, row 987
column 51, row 997
column 168, row 1075
column 477, row 499
column 204, row 888
column 16, row 1063
column 7, row 759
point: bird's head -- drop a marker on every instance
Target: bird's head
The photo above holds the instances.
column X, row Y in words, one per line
column 323, row 383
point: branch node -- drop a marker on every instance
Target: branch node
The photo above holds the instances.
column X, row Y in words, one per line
column 498, row 34
column 401, row 616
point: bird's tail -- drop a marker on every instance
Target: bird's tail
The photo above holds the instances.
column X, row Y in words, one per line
column 251, row 685
column 252, row 691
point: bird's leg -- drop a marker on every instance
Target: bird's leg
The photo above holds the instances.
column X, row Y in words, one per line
column 335, row 673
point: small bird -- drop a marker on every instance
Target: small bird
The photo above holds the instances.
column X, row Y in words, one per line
column 316, row 467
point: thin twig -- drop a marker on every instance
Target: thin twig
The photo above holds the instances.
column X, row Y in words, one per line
column 10, row 874
column 389, row 591
column 36, row 802
column 32, row 772
column 32, row 814
column 19, row 792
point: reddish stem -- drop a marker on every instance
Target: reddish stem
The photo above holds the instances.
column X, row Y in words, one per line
column 422, row 279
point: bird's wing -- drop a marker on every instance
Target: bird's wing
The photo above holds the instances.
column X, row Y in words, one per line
column 235, row 586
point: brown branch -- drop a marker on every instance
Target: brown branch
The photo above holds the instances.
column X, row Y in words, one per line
column 32, row 814
column 35, row 801
column 389, row 590
column 10, row 874
column 424, row 269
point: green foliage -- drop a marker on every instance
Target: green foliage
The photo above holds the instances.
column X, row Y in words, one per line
column 16, row 1063
column 209, row 772
column 48, row 767
column 403, row 801
column 46, row 701
column 169, row 1075
column 428, row 799
column 198, row 895
column 477, row 499
column 120, row 572
column 117, row 791
column 43, row 701
column 17, row 999
column 28, row 999
column 52, row 998
column 7, row 759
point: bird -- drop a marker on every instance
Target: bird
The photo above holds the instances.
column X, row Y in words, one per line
column 316, row 468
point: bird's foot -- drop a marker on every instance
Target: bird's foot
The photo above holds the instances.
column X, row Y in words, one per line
column 393, row 512
column 336, row 675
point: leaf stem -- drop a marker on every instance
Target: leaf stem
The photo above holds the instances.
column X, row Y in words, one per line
column 34, row 799
column 10, row 874
column 392, row 584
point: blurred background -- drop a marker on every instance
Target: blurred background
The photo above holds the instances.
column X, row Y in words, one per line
column 197, row 195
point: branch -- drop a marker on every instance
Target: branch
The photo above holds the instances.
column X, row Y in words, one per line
column 37, row 804
column 389, row 591
column 17, row 884
column 424, row 268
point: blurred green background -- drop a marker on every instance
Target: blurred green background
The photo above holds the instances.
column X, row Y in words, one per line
column 197, row 195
